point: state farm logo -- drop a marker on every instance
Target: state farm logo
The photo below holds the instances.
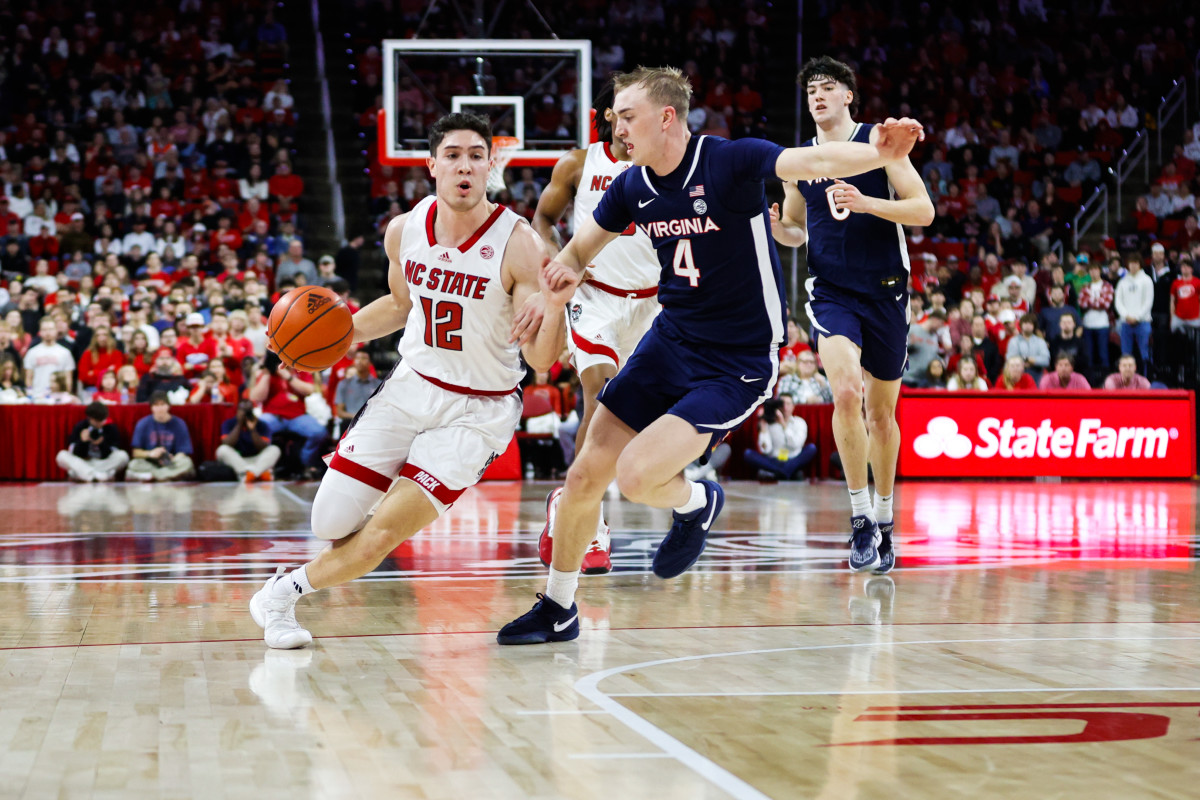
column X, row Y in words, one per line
column 941, row 438
column 1003, row 439
column 315, row 301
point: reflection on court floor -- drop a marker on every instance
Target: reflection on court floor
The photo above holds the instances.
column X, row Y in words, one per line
column 1034, row 635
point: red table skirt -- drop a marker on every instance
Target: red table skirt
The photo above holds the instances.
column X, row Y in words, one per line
column 820, row 432
column 31, row 435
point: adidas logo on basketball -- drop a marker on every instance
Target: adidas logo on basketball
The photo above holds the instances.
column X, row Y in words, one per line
column 444, row 257
column 315, row 302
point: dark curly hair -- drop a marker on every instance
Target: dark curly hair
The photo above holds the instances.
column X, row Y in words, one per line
column 460, row 121
column 600, row 103
column 826, row 67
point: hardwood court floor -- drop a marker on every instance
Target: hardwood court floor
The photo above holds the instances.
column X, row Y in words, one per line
column 1038, row 640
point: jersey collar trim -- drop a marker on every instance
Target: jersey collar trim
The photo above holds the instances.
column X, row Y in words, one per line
column 695, row 160
column 646, row 178
column 475, row 237
column 608, row 152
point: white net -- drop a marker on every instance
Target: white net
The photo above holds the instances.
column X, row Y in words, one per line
column 503, row 149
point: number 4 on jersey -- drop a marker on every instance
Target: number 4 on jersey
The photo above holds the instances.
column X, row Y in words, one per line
column 685, row 265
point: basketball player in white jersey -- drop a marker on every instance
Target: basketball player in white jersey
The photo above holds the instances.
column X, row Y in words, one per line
column 458, row 266
column 612, row 309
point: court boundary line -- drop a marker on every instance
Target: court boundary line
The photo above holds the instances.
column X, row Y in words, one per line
column 798, row 625
column 588, row 686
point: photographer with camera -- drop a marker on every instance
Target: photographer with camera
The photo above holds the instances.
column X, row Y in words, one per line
column 246, row 445
column 94, row 450
column 162, row 445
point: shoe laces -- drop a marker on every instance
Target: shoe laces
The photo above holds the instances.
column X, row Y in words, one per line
column 863, row 537
column 602, row 542
column 281, row 605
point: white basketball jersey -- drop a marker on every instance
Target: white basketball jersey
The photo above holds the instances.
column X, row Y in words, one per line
column 457, row 331
column 628, row 262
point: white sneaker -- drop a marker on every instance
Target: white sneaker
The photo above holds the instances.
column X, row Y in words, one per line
column 277, row 616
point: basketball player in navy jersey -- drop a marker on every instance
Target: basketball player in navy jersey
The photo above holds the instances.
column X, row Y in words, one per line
column 615, row 305
column 711, row 356
column 858, row 298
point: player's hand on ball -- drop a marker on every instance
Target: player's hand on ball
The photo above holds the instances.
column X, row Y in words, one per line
column 897, row 137
column 847, row 196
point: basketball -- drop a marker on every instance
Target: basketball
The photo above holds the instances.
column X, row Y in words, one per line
column 310, row 328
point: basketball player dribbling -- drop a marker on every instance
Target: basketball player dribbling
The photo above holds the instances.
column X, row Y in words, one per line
column 711, row 356
column 458, row 266
column 858, row 299
column 614, row 306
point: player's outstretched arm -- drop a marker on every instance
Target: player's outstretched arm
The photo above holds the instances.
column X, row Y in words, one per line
column 388, row 314
column 789, row 225
column 912, row 205
column 844, row 159
column 539, row 324
column 556, row 197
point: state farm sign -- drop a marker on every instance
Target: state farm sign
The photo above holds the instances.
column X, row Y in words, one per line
column 1126, row 435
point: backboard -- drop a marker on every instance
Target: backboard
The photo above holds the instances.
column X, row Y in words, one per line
column 537, row 90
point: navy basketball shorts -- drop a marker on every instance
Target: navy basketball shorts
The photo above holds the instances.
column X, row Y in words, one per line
column 878, row 325
column 714, row 389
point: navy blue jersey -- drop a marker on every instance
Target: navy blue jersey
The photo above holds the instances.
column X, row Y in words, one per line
column 720, row 284
column 858, row 252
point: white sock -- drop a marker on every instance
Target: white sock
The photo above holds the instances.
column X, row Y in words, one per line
column 860, row 502
column 883, row 508
column 560, row 587
column 698, row 500
column 295, row 582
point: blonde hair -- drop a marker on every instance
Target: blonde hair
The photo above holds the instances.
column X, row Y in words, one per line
column 665, row 86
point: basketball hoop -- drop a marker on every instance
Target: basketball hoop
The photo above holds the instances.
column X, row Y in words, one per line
column 503, row 149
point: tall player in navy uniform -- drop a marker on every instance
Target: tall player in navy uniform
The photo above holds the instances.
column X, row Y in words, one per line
column 711, row 356
column 858, row 299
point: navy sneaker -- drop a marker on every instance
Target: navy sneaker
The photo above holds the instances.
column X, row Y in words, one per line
column 887, row 552
column 685, row 541
column 864, row 544
column 547, row 621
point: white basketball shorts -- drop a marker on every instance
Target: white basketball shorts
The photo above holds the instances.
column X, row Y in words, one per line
column 604, row 328
column 440, row 439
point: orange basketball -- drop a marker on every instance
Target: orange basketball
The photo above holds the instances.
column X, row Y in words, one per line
column 310, row 328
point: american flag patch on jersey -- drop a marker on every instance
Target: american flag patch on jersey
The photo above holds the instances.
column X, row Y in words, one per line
column 696, row 191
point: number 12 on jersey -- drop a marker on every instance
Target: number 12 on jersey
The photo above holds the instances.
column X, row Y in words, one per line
column 441, row 323
column 685, row 265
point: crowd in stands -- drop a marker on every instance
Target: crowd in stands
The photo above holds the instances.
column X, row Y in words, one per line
column 149, row 217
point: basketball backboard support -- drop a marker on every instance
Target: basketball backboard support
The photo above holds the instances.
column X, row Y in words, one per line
column 456, row 74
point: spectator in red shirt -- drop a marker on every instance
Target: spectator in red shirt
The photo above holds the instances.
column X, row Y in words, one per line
column 280, row 392
column 1185, row 297
column 230, row 349
column 224, row 188
column 139, row 354
column 214, row 386
column 1188, row 235
column 797, row 342
column 284, row 184
column 197, row 187
column 225, row 234
column 101, row 356
column 1014, row 378
column 747, row 101
column 198, row 349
